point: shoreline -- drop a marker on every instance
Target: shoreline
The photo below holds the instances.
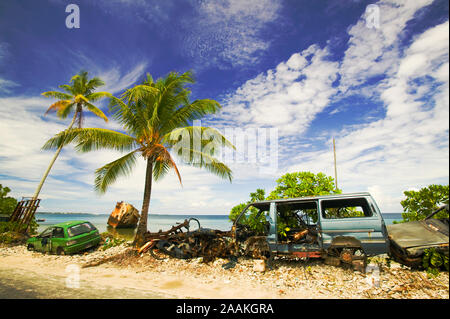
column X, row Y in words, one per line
column 121, row 274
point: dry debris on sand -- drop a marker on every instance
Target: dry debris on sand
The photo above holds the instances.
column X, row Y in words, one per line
column 286, row 278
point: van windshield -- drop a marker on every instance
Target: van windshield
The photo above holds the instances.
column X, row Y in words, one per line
column 254, row 218
column 80, row 229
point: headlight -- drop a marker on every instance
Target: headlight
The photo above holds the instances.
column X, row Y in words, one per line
column 71, row 242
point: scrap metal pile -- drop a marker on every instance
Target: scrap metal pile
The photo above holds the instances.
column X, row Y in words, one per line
column 180, row 242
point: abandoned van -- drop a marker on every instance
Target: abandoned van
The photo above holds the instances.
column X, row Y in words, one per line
column 341, row 228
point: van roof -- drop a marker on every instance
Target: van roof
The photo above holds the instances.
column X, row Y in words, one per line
column 332, row 196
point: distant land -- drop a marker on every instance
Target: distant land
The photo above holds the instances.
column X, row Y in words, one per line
column 99, row 214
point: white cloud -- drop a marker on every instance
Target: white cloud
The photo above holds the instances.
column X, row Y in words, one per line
column 374, row 51
column 405, row 148
column 409, row 147
column 5, row 85
column 117, row 83
column 221, row 33
column 287, row 98
column 24, row 130
column 228, row 32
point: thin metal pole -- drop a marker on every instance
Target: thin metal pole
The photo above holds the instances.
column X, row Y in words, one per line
column 335, row 169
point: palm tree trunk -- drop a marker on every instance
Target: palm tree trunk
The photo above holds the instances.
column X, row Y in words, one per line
column 41, row 183
column 142, row 227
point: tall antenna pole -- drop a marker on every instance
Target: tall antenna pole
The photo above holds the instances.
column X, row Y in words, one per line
column 335, row 169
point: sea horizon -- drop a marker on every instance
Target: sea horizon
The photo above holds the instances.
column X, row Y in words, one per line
column 163, row 214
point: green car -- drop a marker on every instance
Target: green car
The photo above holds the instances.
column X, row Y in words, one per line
column 65, row 238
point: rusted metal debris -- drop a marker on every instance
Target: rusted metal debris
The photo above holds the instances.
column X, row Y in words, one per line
column 24, row 212
column 180, row 242
column 124, row 216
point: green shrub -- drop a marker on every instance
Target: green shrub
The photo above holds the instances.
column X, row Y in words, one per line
column 109, row 241
column 7, row 203
column 7, row 206
column 419, row 204
column 434, row 261
column 14, row 226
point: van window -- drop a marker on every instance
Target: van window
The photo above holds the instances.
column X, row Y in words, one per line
column 345, row 208
column 296, row 222
column 255, row 217
column 305, row 213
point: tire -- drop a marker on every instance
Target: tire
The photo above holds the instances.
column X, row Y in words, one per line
column 30, row 247
column 157, row 254
column 60, row 251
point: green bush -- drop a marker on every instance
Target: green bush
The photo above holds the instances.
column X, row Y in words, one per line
column 109, row 241
column 7, row 206
column 10, row 233
column 434, row 261
column 11, row 226
column 420, row 204
column 7, row 203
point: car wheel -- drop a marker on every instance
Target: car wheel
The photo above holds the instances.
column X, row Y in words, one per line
column 60, row 251
column 30, row 247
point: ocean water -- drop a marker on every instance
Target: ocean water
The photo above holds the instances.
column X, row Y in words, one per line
column 391, row 217
column 155, row 222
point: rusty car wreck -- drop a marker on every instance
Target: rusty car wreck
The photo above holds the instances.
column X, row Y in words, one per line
column 341, row 229
column 410, row 240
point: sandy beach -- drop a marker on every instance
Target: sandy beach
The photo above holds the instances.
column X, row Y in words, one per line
column 118, row 273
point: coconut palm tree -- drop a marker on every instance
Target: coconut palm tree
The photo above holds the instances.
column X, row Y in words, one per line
column 156, row 117
column 78, row 95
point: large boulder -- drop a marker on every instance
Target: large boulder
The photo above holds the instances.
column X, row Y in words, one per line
column 124, row 216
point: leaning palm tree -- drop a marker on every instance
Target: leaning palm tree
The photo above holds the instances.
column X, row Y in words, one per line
column 78, row 95
column 157, row 118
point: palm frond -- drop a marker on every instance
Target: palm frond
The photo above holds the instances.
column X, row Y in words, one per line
column 173, row 93
column 188, row 112
column 94, row 83
column 89, row 139
column 58, row 95
column 106, row 175
column 204, row 134
column 160, row 169
column 98, row 95
column 67, row 88
column 96, row 111
column 80, row 98
column 203, row 160
column 62, row 138
column 163, row 163
column 125, row 115
column 58, row 105
column 139, row 92
column 65, row 110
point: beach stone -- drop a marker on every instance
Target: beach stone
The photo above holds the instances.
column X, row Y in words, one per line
column 259, row 265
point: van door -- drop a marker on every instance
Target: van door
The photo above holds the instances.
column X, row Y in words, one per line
column 353, row 217
column 298, row 232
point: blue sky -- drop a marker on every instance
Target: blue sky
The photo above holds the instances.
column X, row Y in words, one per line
column 311, row 70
